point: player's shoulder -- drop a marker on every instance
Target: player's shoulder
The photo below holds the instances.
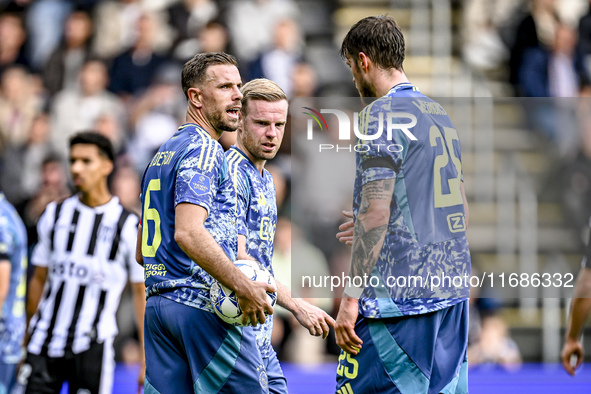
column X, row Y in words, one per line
column 237, row 161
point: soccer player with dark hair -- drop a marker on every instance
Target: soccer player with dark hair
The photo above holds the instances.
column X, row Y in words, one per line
column 188, row 238
column 13, row 276
column 410, row 218
column 83, row 260
column 263, row 119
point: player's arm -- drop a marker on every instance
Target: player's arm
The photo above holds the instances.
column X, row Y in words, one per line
column 139, row 257
column 139, row 304
column 369, row 233
column 201, row 247
column 5, row 269
column 581, row 306
column 309, row 316
column 242, row 253
column 35, row 290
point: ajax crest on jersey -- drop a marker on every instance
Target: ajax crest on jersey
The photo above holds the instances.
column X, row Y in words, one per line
column 224, row 300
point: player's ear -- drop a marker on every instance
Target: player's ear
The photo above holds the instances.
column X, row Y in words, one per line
column 108, row 168
column 240, row 122
column 363, row 61
column 195, row 97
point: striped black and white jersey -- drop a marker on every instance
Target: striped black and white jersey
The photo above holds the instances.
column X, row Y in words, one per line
column 90, row 255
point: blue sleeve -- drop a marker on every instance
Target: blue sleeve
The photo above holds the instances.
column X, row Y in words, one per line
column 7, row 243
column 379, row 158
column 198, row 175
column 242, row 202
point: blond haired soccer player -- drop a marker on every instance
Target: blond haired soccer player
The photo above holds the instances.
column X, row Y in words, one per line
column 263, row 119
column 410, row 218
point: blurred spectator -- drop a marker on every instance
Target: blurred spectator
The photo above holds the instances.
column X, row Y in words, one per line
column 489, row 341
column 19, row 104
column 252, row 24
column 21, row 174
column 585, row 39
column 304, row 82
column 133, row 70
column 45, row 24
column 187, row 17
column 116, row 22
column 483, row 22
column 53, row 187
column 12, row 40
column 556, row 71
column 78, row 109
column 111, row 126
column 278, row 63
column 305, row 86
column 538, row 27
column 63, row 67
column 213, row 37
column 156, row 117
column 125, row 184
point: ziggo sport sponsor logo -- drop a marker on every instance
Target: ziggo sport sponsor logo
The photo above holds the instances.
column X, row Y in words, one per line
column 344, row 122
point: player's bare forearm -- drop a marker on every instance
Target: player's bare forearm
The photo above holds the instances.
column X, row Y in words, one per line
column 314, row 319
column 242, row 253
column 284, row 297
column 5, row 269
column 371, row 226
column 201, row 247
column 581, row 305
column 139, row 304
column 138, row 246
column 34, row 292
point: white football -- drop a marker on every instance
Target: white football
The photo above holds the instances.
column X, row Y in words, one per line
column 224, row 300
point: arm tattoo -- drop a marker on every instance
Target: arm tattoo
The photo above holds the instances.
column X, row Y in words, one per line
column 364, row 256
column 367, row 243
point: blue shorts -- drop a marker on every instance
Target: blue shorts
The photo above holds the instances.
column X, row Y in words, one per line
column 7, row 376
column 419, row 354
column 190, row 350
column 277, row 382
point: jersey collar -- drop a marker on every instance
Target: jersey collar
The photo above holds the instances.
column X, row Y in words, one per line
column 249, row 161
column 402, row 86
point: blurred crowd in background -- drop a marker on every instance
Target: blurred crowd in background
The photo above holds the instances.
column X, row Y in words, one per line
column 114, row 66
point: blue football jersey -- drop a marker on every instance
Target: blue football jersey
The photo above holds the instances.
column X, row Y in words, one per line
column 13, row 248
column 409, row 138
column 189, row 168
column 256, row 211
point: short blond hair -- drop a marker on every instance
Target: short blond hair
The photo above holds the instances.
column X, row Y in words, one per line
column 261, row 89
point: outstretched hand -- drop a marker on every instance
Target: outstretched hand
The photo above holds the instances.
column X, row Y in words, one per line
column 313, row 318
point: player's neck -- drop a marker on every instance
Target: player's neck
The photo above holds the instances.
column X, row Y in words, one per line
column 258, row 163
column 197, row 117
column 384, row 80
column 95, row 197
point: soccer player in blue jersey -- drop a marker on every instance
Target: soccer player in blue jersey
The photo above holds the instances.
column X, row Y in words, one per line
column 13, row 268
column 188, row 237
column 410, row 218
column 263, row 119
